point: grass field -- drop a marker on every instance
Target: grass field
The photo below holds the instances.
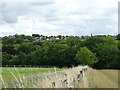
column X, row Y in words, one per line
column 11, row 73
column 103, row 78
column 7, row 72
column 43, row 77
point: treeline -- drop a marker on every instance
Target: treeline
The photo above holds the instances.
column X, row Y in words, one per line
column 99, row 52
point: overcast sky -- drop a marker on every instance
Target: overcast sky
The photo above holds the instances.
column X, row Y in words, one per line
column 59, row 17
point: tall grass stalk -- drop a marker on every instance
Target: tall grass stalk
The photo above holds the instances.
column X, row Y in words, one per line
column 19, row 84
column 3, row 82
column 66, row 78
column 20, row 78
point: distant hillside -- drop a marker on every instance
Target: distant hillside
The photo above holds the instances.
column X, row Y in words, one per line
column 99, row 51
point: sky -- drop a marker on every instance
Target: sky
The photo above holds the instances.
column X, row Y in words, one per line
column 59, row 17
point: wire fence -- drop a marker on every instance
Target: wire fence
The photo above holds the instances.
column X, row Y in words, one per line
column 29, row 66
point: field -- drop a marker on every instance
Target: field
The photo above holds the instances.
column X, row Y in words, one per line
column 11, row 73
column 7, row 73
column 103, row 78
column 37, row 77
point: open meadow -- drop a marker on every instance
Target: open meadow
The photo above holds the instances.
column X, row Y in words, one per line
column 58, row 78
column 71, row 44
column 10, row 74
column 107, row 78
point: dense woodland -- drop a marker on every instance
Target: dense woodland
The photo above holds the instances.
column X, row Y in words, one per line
column 99, row 52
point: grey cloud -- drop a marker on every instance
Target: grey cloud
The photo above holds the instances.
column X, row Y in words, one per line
column 12, row 10
column 64, row 18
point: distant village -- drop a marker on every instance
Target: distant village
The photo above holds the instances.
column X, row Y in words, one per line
column 42, row 38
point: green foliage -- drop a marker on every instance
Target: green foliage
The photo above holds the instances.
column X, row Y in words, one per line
column 9, row 49
column 119, row 44
column 35, row 35
column 6, row 58
column 91, row 42
column 109, row 41
column 95, row 51
column 118, row 36
column 86, row 57
column 7, row 41
column 71, row 41
column 54, row 55
column 108, row 56
column 26, row 47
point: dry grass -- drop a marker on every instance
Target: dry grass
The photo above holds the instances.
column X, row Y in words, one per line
column 62, row 79
column 11, row 74
column 111, row 74
column 103, row 78
column 68, row 78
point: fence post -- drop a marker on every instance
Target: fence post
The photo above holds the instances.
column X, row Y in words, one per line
column 6, row 65
column 14, row 66
column 20, row 67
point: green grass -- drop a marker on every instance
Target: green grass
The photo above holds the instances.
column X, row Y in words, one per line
column 10, row 73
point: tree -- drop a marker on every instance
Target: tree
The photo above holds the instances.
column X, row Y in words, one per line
column 26, row 47
column 6, row 58
column 35, row 35
column 20, row 59
column 119, row 44
column 53, row 54
column 108, row 57
column 96, row 51
column 109, row 41
column 118, row 36
column 92, row 42
column 7, row 41
column 86, row 57
column 72, row 41
column 9, row 49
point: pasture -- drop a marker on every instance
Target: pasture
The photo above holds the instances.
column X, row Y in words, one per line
column 13, row 73
column 106, row 78
column 58, row 78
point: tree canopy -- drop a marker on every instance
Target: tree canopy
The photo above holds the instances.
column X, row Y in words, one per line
column 86, row 57
column 61, row 51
